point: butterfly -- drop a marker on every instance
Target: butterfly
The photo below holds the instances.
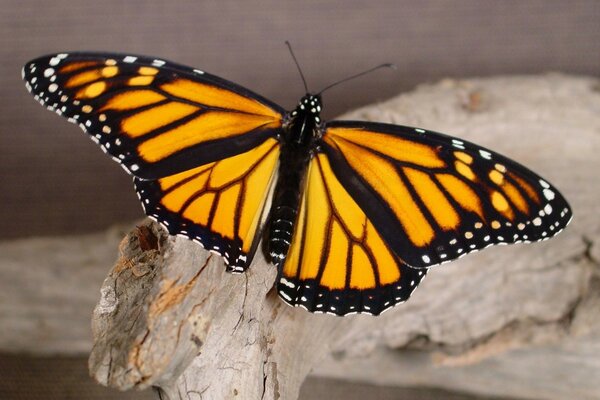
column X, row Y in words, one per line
column 353, row 213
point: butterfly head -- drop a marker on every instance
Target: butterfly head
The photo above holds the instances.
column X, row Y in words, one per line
column 310, row 103
column 304, row 121
column 309, row 107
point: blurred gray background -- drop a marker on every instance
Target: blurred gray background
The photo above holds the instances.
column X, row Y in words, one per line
column 53, row 180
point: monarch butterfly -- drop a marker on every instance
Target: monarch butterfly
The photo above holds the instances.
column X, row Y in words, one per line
column 353, row 213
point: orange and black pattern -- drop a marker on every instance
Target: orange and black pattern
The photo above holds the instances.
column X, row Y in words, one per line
column 220, row 205
column 356, row 211
column 152, row 116
column 202, row 149
column 434, row 198
column 338, row 262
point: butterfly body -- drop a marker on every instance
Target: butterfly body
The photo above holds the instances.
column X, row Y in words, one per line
column 354, row 212
column 299, row 139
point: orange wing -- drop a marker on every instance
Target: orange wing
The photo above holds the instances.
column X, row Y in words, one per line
column 203, row 150
column 221, row 205
column 154, row 117
column 434, row 198
column 338, row 263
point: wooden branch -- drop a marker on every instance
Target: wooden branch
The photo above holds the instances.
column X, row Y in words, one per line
column 170, row 317
column 172, row 304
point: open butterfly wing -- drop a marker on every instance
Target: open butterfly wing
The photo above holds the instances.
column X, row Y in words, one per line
column 338, row 262
column 434, row 198
column 154, row 117
column 203, row 150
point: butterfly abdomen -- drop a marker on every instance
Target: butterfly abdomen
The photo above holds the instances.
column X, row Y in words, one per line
column 282, row 228
column 286, row 201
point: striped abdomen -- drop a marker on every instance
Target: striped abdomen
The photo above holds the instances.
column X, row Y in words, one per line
column 286, row 201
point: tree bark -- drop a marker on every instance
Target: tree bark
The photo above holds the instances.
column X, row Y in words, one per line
column 520, row 320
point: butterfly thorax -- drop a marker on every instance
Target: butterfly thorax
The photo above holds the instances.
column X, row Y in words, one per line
column 300, row 134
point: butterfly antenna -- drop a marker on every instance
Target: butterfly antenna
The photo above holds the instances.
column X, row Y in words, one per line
column 392, row 66
column 297, row 65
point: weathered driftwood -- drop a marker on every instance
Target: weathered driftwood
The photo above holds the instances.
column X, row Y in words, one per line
column 519, row 320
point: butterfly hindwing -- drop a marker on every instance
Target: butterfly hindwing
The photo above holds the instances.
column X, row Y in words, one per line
column 154, row 117
column 222, row 205
column 434, row 198
column 338, row 262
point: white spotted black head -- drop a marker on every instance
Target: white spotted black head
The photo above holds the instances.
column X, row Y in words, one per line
column 303, row 124
column 305, row 120
column 311, row 103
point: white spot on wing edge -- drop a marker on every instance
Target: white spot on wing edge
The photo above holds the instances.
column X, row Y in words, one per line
column 285, row 296
column 129, row 59
column 287, row 283
column 548, row 194
column 458, row 144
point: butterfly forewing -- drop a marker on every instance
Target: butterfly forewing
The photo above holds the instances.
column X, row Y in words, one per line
column 154, row 117
column 434, row 198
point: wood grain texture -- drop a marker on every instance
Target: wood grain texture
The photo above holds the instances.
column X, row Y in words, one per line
column 509, row 321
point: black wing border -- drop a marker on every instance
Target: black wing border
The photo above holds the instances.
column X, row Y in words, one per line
column 121, row 148
column 440, row 251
